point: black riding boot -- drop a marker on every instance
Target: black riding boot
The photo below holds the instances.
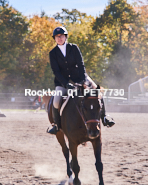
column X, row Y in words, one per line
column 105, row 121
column 57, row 121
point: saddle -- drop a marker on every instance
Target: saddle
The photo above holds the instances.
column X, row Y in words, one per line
column 62, row 105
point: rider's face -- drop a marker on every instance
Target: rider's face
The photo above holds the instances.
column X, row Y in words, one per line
column 60, row 39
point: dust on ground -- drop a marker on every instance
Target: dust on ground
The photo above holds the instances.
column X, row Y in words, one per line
column 28, row 155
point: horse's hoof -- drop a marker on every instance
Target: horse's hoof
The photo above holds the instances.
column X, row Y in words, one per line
column 78, row 182
column 70, row 181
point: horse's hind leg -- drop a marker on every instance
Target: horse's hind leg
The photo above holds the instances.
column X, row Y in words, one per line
column 61, row 140
column 74, row 163
column 97, row 145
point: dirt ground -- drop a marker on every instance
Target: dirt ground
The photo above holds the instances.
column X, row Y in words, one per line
column 28, row 155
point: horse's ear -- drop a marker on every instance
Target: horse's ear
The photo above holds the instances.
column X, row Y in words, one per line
column 98, row 87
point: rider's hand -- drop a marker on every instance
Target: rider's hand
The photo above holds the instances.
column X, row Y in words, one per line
column 81, row 82
column 70, row 86
column 87, row 84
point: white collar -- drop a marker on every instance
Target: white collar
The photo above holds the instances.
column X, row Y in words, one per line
column 63, row 48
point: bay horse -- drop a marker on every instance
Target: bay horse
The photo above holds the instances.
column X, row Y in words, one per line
column 80, row 122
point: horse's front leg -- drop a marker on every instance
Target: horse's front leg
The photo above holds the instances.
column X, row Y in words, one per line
column 97, row 145
column 61, row 140
column 74, row 162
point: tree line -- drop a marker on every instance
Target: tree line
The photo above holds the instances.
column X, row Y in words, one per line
column 114, row 45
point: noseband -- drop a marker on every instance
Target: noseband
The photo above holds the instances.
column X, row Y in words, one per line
column 83, row 115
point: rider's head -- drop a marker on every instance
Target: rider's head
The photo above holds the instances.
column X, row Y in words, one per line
column 60, row 35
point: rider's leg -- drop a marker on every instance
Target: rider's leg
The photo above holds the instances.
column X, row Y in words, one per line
column 55, row 112
column 105, row 121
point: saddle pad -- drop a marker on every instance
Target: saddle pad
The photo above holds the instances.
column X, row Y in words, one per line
column 64, row 104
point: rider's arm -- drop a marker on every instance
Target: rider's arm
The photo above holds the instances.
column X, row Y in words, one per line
column 80, row 63
column 56, row 69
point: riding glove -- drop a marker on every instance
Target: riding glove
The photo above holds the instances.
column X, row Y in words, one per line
column 70, row 86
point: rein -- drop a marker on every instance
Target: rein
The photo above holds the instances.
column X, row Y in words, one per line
column 82, row 116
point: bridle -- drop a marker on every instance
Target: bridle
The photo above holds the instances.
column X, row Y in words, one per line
column 83, row 115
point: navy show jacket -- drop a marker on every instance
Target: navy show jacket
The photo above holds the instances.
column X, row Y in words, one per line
column 70, row 67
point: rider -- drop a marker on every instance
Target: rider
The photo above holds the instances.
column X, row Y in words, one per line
column 67, row 64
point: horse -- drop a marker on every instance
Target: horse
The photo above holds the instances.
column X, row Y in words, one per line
column 80, row 122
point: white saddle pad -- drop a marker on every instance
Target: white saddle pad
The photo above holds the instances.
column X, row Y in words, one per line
column 64, row 104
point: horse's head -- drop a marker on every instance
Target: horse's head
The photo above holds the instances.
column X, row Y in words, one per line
column 90, row 107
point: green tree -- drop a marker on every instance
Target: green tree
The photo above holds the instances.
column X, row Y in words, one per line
column 37, row 72
column 13, row 29
column 114, row 30
column 24, row 50
column 70, row 16
column 139, row 39
column 116, row 18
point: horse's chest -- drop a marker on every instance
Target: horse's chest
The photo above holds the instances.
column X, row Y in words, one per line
column 80, row 135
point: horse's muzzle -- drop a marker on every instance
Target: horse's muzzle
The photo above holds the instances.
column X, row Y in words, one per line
column 93, row 128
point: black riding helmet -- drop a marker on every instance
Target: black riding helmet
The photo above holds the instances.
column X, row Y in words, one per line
column 59, row 30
